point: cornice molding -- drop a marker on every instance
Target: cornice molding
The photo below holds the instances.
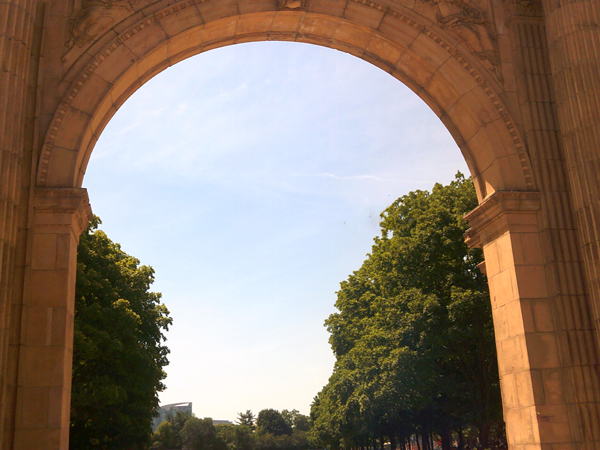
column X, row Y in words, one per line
column 60, row 202
column 500, row 212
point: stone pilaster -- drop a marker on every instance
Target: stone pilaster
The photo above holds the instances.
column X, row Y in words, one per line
column 535, row 377
column 17, row 19
column 574, row 42
column 46, row 346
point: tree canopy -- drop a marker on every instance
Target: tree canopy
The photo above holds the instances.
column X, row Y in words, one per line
column 119, row 350
column 413, row 335
column 272, row 422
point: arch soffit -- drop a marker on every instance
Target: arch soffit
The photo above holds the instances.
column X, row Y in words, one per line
column 445, row 76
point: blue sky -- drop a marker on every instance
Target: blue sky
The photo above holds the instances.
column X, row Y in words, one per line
column 252, row 178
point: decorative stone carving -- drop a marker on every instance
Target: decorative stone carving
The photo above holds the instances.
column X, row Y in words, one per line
column 94, row 18
column 524, row 8
column 467, row 23
column 291, row 4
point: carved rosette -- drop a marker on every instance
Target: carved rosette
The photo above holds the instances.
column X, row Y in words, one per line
column 291, row 4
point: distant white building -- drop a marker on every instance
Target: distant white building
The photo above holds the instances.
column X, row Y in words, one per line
column 172, row 409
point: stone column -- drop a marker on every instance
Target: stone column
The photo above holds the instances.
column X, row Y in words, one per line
column 46, row 346
column 532, row 376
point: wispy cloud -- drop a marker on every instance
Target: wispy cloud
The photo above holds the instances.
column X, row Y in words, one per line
column 340, row 177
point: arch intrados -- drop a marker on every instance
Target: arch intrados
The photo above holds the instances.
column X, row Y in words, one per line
column 453, row 89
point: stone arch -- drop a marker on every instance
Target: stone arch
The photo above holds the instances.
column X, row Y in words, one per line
column 454, row 83
column 446, row 51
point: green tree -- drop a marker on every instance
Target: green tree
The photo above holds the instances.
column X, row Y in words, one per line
column 295, row 420
column 272, row 422
column 200, row 434
column 237, row 437
column 413, row 337
column 119, row 350
column 247, row 419
column 170, row 437
column 166, row 436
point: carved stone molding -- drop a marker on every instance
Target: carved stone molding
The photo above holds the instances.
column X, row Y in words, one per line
column 500, row 212
column 62, row 207
column 525, row 8
column 94, row 18
column 467, row 23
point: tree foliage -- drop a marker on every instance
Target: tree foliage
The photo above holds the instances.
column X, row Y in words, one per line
column 119, row 349
column 413, row 335
column 247, row 419
column 271, row 421
column 287, row 430
column 201, row 434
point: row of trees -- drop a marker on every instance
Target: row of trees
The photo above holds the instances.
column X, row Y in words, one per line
column 413, row 338
column 271, row 430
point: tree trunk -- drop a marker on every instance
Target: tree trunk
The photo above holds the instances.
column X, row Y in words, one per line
column 484, row 435
column 447, row 440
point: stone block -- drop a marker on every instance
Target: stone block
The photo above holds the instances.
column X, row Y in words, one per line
column 212, row 11
column 531, row 282
column 183, row 42
column 254, row 23
column 525, row 388
column 443, row 91
column 43, row 366
column 543, row 351
column 552, row 383
column 220, row 30
column 91, row 93
column 118, row 61
column 542, row 314
column 398, row 31
column 430, row 50
column 510, row 397
column 34, row 408
column 353, row 35
column 514, row 356
column 518, row 318
column 37, row 326
column 333, row 8
column 74, row 120
column 152, row 59
column 181, row 21
column 287, row 21
column 39, row 439
column 49, row 288
column 503, row 287
column 465, row 118
column 384, row 49
column 363, row 15
column 44, row 251
column 147, row 39
column 321, row 26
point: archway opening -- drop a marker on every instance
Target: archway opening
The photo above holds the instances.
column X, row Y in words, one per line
column 252, row 178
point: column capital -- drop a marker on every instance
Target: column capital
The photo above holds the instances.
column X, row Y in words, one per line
column 500, row 212
column 62, row 207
